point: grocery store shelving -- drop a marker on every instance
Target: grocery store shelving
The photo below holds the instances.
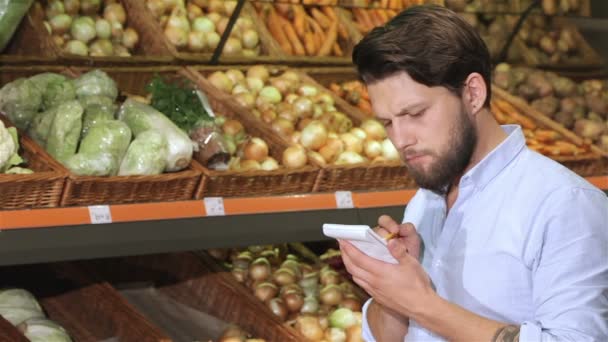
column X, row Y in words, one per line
column 41, row 235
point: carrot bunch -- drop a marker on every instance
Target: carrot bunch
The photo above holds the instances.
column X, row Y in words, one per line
column 305, row 30
column 367, row 19
column 355, row 93
column 543, row 140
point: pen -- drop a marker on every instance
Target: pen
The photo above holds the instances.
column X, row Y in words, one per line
column 391, row 236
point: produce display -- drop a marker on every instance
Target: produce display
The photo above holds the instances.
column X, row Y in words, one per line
column 9, row 152
column 305, row 115
column 305, row 30
column 197, row 25
column 20, row 308
column 355, row 93
column 90, row 27
column 580, row 107
column 79, row 124
column 365, row 19
column 493, row 29
column 551, row 43
column 312, row 298
column 235, row 334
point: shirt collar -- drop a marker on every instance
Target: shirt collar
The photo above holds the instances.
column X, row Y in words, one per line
column 490, row 166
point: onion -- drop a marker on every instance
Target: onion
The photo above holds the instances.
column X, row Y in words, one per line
column 251, row 39
column 214, row 17
column 295, row 138
column 291, row 76
column 221, row 25
column 101, row 48
column 76, row 47
column 331, row 295
column 259, row 71
column 256, row 149
column 229, row 6
column 350, row 157
column 268, row 116
column 317, row 111
column 157, row 7
column 250, row 165
column 130, row 38
column 233, row 47
column 389, row 151
column 59, row 41
column 284, row 86
column 277, row 306
column 332, row 149
column 260, row 269
column 310, row 306
column 347, row 287
column 270, row 94
column 372, row 149
column 240, row 274
column 176, row 36
column 324, row 98
column 303, row 107
column 54, row 8
column 194, row 12
column 314, row 136
column 178, row 19
column 266, row 291
column 309, row 327
column 360, row 133
column 232, row 127
column 83, row 29
column 294, row 265
column 242, row 260
column 216, row 6
column 303, row 123
column 329, row 277
column 239, row 89
column 294, row 157
column 374, row 129
column 103, row 28
column 213, row 39
column 221, row 81
column 245, row 99
column 352, row 143
column 270, row 164
column 235, row 75
column 203, row 24
column 293, row 300
column 354, row 334
column 308, row 90
column 291, row 98
column 254, row 84
column 60, row 23
column 117, row 30
column 351, row 302
column 316, row 159
column 335, row 335
column 115, row 12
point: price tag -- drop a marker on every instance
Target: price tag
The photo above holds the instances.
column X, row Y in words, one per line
column 344, row 200
column 214, row 206
column 100, row 214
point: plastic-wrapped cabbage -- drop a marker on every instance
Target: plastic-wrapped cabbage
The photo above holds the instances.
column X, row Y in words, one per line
column 41, row 126
column 92, row 164
column 41, row 81
column 43, row 330
column 141, row 117
column 95, row 113
column 18, row 171
column 18, row 305
column 64, row 134
column 20, row 100
column 110, row 136
column 96, row 82
column 101, row 100
column 146, row 155
column 57, row 93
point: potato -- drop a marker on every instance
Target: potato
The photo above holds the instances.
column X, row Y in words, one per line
column 527, row 91
column 596, row 103
column 564, row 87
column 568, row 105
column 547, row 105
column 589, row 129
column 603, row 142
column 548, row 45
column 564, row 118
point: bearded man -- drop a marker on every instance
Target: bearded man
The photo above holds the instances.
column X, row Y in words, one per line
column 507, row 245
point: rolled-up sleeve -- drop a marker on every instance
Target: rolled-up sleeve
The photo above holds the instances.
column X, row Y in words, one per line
column 570, row 275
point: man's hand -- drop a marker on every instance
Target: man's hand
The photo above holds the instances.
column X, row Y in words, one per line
column 405, row 233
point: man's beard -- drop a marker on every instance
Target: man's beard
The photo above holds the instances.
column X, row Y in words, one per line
column 447, row 168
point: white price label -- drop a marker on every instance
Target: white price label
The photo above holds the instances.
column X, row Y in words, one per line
column 100, row 214
column 344, row 200
column 214, row 206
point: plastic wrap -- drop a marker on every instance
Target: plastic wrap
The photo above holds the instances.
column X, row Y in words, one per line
column 146, row 155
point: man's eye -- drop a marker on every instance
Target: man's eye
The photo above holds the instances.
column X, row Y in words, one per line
column 387, row 123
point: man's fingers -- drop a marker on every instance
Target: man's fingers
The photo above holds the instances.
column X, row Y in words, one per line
column 356, row 262
column 407, row 229
column 388, row 223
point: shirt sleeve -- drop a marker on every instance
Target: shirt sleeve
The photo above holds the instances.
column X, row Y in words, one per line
column 570, row 273
column 366, row 332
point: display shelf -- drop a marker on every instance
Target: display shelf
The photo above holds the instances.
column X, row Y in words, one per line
column 44, row 235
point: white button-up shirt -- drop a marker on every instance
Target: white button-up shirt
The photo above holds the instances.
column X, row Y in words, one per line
column 525, row 243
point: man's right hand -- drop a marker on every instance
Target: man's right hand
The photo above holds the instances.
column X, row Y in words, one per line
column 407, row 239
column 385, row 324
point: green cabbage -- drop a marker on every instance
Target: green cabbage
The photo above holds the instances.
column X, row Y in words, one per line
column 20, row 100
column 18, row 170
column 41, row 126
column 44, row 330
column 41, row 81
column 141, row 117
column 17, row 315
column 64, row 134
column 18, row 305
column 92, row 164
column 57, row 93
column 101, row 100
column 95, row 113
column 146, row 155
column 96, row 82
column 109, row 136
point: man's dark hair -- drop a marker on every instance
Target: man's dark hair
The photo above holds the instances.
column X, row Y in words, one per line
column 432, row 44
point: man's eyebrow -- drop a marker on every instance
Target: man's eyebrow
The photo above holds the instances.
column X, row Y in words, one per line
column 410, row 109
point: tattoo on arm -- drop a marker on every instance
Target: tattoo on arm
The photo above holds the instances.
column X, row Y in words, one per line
column 509, row 333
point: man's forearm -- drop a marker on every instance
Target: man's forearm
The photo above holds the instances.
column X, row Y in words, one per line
column 385, row 324
column 457, row 324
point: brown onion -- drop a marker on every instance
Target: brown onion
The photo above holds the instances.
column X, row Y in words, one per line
column 303, row 107
column 331, row 295
column 240, row 274
column 259, row 71
column 294, row 157
column 293, row 300
column 266, row 291
column 354, row 334
column 310, row 306
column 232, row 127
column 256, row 149
column 277, row 306
column 268, row 116
column 330, row 277
column 284, row 276
column 283, row 127
column 351, row 302
column 291, row 288
column 310, row 328
column 260, row 269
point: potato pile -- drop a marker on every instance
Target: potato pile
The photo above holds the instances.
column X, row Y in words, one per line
column 550, row 44
column 561, row 7
column 312, row 298
column 582, row 107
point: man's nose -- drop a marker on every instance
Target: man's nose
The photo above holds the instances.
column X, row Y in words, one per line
column 402, row 134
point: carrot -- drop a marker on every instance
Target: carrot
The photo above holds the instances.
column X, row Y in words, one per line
column 365, row 106
column 545, row 135
column 337, row 50
column 274, row 26
column 290, row 32
column 299, row 20
column 376, row 19
column 364, row 18
column 329, row 12
column 321, row 18
column 310, row 44
column 383, row 4
column 335, row 87
column 330, row 39
column 319, row 36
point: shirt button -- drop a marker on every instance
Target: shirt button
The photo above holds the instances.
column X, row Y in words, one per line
column 437, row 263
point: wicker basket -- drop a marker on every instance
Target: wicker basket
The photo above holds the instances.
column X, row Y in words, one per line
column 42, row 189
column 196, row 283
column 34, row 39
column 588, row 164
column 590, row 58
column 249, row 183
column 269, row 49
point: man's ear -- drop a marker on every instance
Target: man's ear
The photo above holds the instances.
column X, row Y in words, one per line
column 474, row 93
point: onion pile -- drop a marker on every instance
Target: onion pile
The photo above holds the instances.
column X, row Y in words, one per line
column 307, row 117
column 90, row 27
column 246, row 153
column 198, row 25
column 314, row 299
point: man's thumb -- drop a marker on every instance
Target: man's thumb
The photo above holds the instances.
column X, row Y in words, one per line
column 398, row 250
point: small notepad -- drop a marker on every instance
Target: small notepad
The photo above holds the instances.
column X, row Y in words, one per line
column 362, row 237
